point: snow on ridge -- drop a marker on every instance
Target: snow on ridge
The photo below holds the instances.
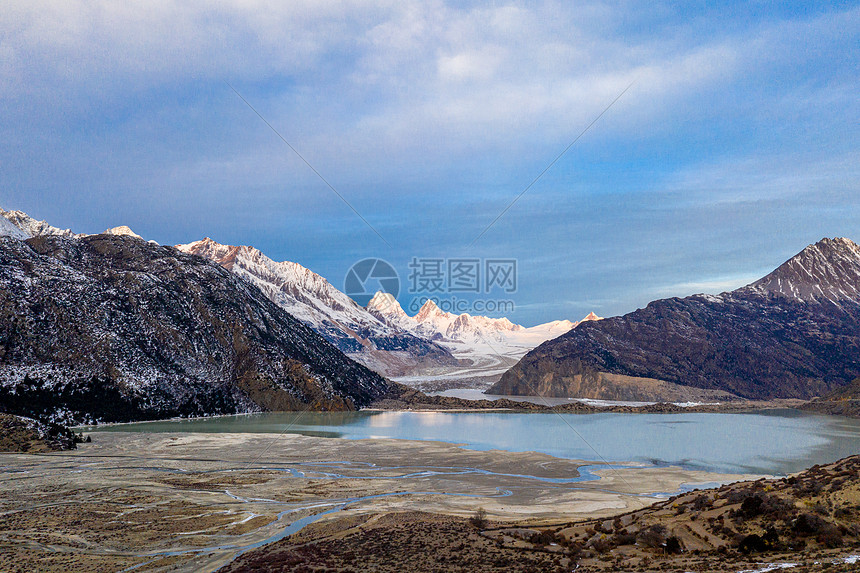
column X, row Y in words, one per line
column 30, row 227
column 465, row 334
column 300, row 291
column 122, row 231
column 828, row 270
column 9, row 229
column 33, row 228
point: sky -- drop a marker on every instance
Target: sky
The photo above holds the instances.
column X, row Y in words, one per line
column 326, row 132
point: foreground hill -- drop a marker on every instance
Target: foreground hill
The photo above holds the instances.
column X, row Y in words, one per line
column 313, row 300
column 793, row 334
column 113, row 328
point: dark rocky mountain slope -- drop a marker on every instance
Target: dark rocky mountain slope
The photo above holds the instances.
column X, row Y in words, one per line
column 112, row 328
column 793, row 334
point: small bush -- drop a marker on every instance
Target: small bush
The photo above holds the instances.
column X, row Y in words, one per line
column 752, row 506
column 654, row 536
column 830, row 537
column 544, row 537
column 702, row 503
column 479, row 520
column 602, row 544
column 808, row 524
column 673, row 545
column 752, row 544
column 624, row 538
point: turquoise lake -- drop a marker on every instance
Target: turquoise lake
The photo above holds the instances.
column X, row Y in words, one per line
column 770, row 442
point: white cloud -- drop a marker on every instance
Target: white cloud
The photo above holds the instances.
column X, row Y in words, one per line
column 714, row 285
column 412, row 67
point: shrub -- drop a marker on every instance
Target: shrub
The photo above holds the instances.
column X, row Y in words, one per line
column 544, row 537
column 701, row 503
column 602, row 544
column 830, row 537
column 479, row 520
column 752, row 544
column 752, row 506
column 807, row 524
column 623, row 538
column 654, row 536
column 673, row 545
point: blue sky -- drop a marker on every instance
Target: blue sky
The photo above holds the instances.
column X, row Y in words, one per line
column 735, row 147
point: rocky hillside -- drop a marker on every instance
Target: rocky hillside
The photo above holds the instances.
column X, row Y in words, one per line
column 811, row 520
column 113, row 328
column 793, row 334
column 841, row 402
column 313, row 300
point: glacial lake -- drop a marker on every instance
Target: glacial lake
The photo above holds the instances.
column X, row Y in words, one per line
column 766, row 442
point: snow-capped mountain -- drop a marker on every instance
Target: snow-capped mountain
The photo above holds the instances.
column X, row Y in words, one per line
column 313, row 300
column 116, row 329
column 28, row 227
column 466, row 334
column 33, row 228
column 486, row 347
column 828, row 270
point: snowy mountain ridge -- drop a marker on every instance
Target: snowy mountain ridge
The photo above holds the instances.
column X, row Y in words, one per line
column 33, row 228
column 382, row 336
column 468, row 334
column 28, row 227
column 313, row 300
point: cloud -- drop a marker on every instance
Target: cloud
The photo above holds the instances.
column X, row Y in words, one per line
column 425, row 72
column 709, row 286
column 737, row 142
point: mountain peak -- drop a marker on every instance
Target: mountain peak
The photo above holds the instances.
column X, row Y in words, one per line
column 384, row 303
column 224, row 255
column 429, row 309
column 827, row 270
column 589, row 317
column 122, row 230
column 33, row 228
column 9, row 229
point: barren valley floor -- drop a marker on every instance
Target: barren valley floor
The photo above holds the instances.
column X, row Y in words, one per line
column 196, row 502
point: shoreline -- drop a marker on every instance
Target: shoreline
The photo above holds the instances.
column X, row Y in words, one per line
column 749, row 526
column 412, row 399
column 451, row 404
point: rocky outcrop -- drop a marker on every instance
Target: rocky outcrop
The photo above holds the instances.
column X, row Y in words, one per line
column 26, row 435
column 113, row 328
column 792, row 334
column 841, row 402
